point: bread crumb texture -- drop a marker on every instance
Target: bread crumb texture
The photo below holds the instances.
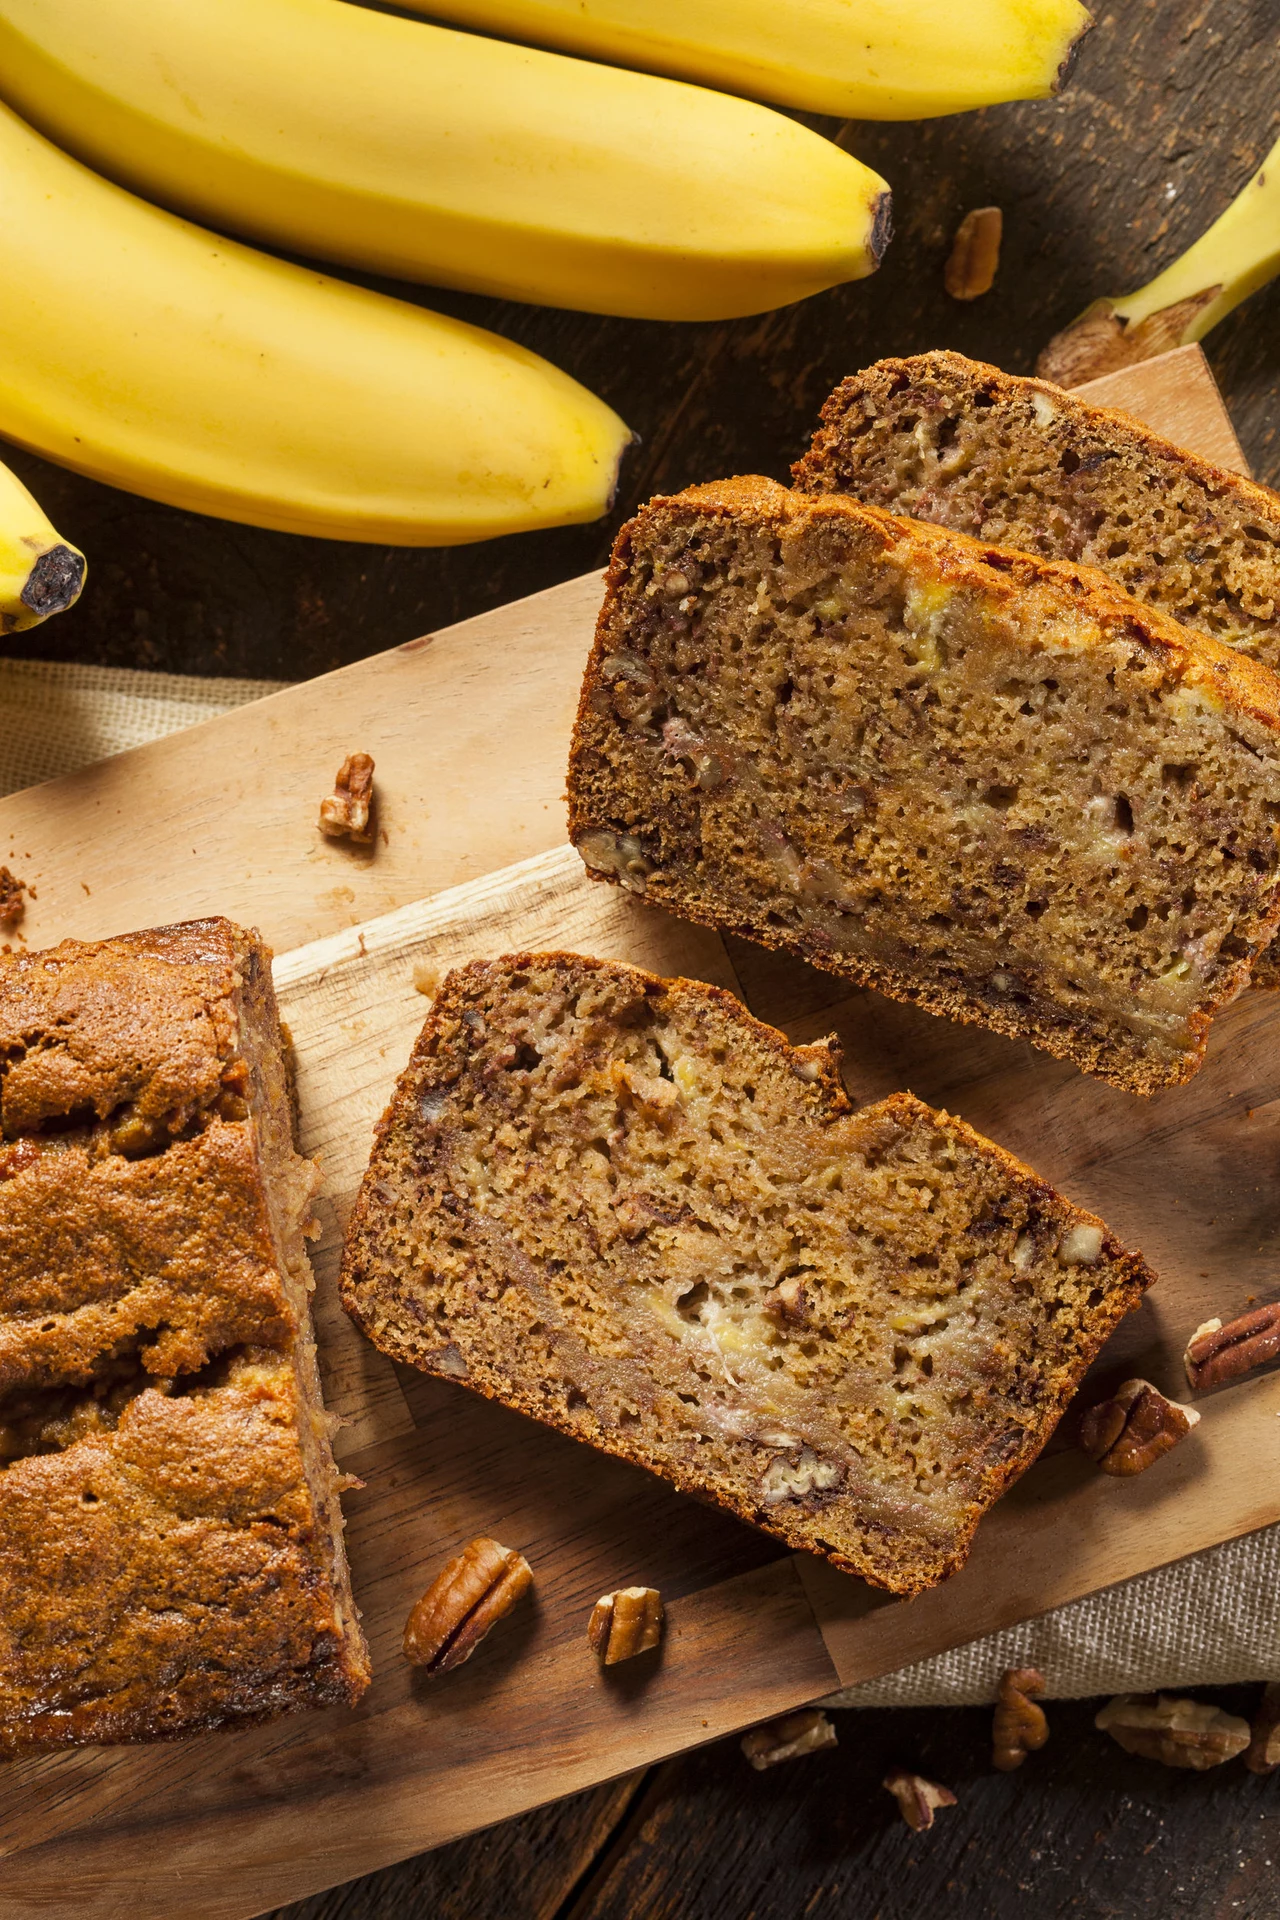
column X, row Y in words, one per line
column 627, row 1208
column 170, row 1537
column 991, row 784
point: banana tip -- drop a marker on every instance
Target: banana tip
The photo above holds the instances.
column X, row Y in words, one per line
column 881, row 226
column 1066, row 65
column 54, row 582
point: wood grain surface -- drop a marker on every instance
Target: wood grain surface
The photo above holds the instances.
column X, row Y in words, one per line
column 1172, row 105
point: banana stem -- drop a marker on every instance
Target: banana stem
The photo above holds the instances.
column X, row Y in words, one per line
column 1238, row 254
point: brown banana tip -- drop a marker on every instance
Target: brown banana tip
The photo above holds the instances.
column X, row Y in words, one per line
column 1066, row 66
column 632, row 440
column 54, row 582
column 881, row 226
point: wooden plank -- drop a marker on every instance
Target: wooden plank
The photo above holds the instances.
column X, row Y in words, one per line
column 470, row 732
column 1177, row 395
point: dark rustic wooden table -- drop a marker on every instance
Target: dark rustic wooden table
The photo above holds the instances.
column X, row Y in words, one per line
column 1173, row 104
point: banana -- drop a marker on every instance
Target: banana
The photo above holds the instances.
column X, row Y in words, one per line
column 1238, row 254
column 413, row 150
column 151, row 354
column 860, row 59
column 40, row 573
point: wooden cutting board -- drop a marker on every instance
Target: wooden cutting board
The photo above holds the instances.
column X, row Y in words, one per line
column 469, row 730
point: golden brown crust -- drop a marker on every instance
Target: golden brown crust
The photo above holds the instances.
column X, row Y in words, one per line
column 170, row 1557
column 1041, row 590
column 816, row 467
column 395, row 1284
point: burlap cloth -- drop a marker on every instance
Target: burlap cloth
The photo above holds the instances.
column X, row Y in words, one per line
column 1207, row 1620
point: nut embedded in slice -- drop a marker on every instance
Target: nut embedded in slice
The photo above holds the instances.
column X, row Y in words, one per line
column 466, row 1598
column 1128, row 1433
column 788, row 1739
column 1216, row 1354
column 348, row 812
column 1019, row 1726
column 1178, row 1733
column 917, row 1797
column 625, row 1623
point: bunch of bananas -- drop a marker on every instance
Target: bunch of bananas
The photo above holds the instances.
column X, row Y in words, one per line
column 154, row 354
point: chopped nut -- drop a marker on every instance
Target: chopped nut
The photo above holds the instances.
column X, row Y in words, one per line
column 625, row 1623
column 1128, row 1433
column 1216, row 1354
column 785, row 1479
column 1263, row 1753
column 347, row 813
column 1080, row 1247
column 788, row 1302
column 12, row 904
column 917, row 1797
column 464, row 1600
column 975, row 254
column 1019, row 1727
column 426, row 978
column 1178, row 1733
column 788, row 1739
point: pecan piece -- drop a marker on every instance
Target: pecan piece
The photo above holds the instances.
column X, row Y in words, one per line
column 1178, row 1733
column 1216, row 1353
column 787, row 1739
column 975, row 254
column 1019, row 1726
column 1263, row 1754
column 917, row 1797
column 348, row 812
column 1128, row 1433
column 625, row 1623
column 464, row 1600
column 788, row 1302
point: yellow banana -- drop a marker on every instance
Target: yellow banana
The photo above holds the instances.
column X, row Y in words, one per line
column 154, row 355
column 409, row 149
column 1238, row 254
column 861, row 59
column 40, row 573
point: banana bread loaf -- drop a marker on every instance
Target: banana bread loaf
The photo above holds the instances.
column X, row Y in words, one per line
column 622, row 1205
column 170, row 1533
column 991, row 784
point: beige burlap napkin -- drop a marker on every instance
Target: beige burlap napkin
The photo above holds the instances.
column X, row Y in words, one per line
column 1208, row 1620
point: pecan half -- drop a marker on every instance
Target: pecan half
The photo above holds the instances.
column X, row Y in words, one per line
column 625, row 1623
column 975, row 254
column 348, row 812
column 917, row 1797
column 787, row 1739
column 1019, row 1726
column 466, row 1598
column 1128, row 1433
column 1263, row 1754
column 1216, row 1353
column 1178, row 1733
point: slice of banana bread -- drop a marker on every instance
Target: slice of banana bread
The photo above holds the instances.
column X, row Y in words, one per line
column 624, row 1206
column 991, row 784
column 1026, row 464
column 170, row 1532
